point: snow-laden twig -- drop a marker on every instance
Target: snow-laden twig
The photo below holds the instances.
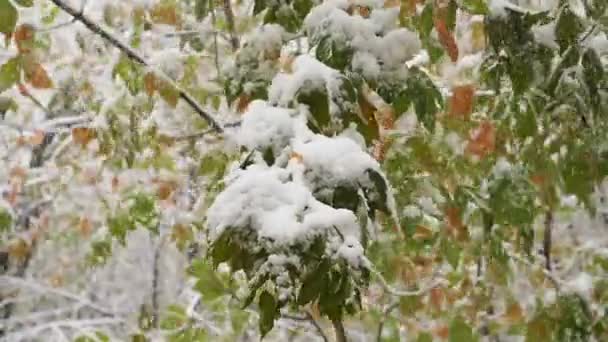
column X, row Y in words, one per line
column 133, row 55
column 556, row 281
column 39, row 288
column 73, row 324
column 396, row 292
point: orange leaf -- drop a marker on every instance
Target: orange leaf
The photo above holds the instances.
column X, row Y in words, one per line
column 422, row 232
column 443, row 332
column 24, row 38
column 446, row 38
column 37, row 76
column 83, row 135
column 461, row 102
column 454, row 223
column 297, row 157
column 37, row 138
column 165, row 189
column 514, row 313
column 85, row 227
column 18, row 172
column 436, row 298
column 150, row 84
column 483, row 140
column 243, row 103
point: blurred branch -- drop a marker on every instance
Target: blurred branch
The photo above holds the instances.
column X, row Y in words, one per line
column 131, row 54
column 387, row 311
column 41, row 289
column 234, row 41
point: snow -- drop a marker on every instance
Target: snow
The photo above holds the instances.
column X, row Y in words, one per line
column 545, row 35
column 599, row 43
column 334, row 161
column 351, row 251
column 376, row 40
column 280, row 211
column 266, row 126
column 307, row 73
column 582, row 285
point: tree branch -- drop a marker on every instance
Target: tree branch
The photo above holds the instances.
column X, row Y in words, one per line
column 234, row 41
column 131, row 54
column 547, row 240
column 339, row 330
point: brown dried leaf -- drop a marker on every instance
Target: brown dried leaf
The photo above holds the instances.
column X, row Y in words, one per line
column 83, row 135
column 37, row 76
column 446, row 38
column 24, row 38
column 461, row 102
column 483, row 140
column 19, row 249
column 150, row 84
column 165, row 14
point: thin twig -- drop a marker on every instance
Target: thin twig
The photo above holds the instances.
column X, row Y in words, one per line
column 216, row 58
column 400, row 293
column 131, row 54
column 547, row 239
column 61, row 293
column 234, row 41
column 387, row 311
column 317, row 326
column 549, row 275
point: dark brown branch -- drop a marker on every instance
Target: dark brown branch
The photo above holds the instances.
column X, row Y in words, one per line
column 131, row 54
column 547, row 239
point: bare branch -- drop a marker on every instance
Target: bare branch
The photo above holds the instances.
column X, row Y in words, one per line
column 131, row 54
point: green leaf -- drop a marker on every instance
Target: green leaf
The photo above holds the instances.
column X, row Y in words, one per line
column 318, row 104
column 259, row 6
column 6, row 220
column 100, row 252
column 333, row 54
column 8, row 17
column 201, row 8
column 426, row 97
column 475, row 6
column 346, row 197
column 268, row 312
column 9, row 73
column 131, row 73
column 568, row 28
column 451, row 251
column 98, row 337
column 377, row 196
column 450, row 21
column 221, row 248
column 175, row 318
column 460, row 331
column 425, row 21
column 208, row 283
column 424, row 337
column 313, row 283
column 24, row 3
